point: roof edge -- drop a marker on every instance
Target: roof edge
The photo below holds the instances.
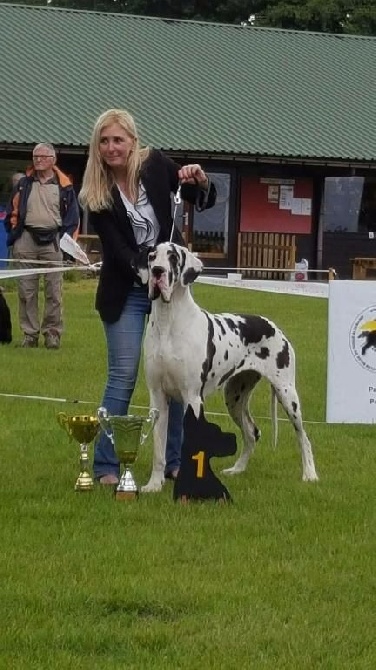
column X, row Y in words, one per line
column 82, row 149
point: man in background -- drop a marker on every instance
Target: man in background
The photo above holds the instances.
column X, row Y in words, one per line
column 42, row 207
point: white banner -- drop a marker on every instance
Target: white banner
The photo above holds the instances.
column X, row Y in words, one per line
column 351, row 379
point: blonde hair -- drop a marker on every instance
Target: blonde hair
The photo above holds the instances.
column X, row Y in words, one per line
column 98, row 179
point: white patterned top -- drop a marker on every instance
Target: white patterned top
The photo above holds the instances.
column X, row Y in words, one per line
column 142, row 217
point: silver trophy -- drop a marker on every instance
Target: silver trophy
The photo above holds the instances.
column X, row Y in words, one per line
column 127, row 434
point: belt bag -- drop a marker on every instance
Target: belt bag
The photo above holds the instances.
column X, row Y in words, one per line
column 42, row 236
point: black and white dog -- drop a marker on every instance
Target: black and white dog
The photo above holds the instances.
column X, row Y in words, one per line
column 5, row 320
column 190, row 353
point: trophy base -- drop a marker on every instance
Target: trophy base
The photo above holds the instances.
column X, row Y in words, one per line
column 126, row 495
column 84, row 482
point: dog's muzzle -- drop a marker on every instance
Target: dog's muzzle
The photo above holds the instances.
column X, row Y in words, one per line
column 158, row 282
column 157, row 271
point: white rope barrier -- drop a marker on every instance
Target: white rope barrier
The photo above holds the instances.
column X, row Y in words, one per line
column 313, row 289
column 11, row 274
column 33, row 262
column 46, row 398
column 264, row 270
column 300, row 288
column 75, row 401
column 207, row 268
column 68, row 245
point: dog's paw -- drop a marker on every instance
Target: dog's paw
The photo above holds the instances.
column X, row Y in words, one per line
column 310, row 477
column 153, row 486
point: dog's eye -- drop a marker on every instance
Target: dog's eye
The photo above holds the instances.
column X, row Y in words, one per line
column 173, row 258
column 152, row 257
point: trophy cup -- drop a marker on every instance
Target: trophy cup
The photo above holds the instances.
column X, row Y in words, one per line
column 126, row 434
column 82, row 428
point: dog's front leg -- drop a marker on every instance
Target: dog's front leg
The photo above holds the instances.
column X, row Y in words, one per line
column 157, row 478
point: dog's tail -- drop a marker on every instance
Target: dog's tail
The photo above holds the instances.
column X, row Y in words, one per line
column 274, row 416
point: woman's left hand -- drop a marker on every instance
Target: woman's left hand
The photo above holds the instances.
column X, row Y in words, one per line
column 193, row 174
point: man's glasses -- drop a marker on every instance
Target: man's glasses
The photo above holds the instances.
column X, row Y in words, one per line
column 42, row 158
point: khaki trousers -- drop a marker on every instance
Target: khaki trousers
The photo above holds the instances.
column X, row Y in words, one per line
column 28, row 288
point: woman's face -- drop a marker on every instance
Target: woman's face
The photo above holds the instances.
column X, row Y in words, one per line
column 115, row 145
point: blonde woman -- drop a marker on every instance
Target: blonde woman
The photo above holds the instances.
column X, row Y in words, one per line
column 127, row 192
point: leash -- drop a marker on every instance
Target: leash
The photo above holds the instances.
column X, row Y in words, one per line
column 177, row 201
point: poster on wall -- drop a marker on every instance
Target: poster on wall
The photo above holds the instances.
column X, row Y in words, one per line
column 301, row 206
column 272, row 204
column 286, row 196
column 273, row 193
column 351, row 373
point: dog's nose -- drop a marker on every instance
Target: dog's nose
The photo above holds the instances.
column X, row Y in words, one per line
column 157, row 271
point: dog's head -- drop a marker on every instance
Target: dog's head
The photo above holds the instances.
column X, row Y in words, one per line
column 169, row 266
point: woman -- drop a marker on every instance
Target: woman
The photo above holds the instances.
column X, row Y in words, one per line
column 127, row 192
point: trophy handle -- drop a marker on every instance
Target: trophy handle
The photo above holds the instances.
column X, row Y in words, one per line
column 105, row 423
column 149, row 421
column 64, row 423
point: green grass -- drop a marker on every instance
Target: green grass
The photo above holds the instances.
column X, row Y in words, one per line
column 283, row 578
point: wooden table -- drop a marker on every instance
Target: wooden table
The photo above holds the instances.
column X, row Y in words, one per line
column 361, row 266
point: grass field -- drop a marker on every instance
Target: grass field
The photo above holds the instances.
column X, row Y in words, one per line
column 282, row 579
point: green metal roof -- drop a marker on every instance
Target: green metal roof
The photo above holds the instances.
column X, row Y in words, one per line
column 192, row 86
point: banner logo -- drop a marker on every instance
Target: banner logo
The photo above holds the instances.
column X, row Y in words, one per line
column 362, row 338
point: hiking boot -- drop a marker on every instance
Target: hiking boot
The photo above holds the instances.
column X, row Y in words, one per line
column 29, row 342
column 52, row 340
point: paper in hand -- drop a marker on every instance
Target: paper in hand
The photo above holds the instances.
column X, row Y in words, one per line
column 70, row 246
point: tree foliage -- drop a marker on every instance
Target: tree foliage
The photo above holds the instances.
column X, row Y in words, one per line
column 329, row 16
column 334, row 16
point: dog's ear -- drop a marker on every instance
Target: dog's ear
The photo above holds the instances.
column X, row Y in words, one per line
column 140, row 265
column 193, row 267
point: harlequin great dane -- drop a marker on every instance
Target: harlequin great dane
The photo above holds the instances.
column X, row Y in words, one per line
column 190, row 353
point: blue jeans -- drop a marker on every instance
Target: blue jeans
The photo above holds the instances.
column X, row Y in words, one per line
column 124, row 340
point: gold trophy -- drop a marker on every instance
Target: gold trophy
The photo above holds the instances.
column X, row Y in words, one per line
column 82, row 428
column 126, row 434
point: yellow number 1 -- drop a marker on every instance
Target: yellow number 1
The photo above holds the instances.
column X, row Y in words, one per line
column 199, row 457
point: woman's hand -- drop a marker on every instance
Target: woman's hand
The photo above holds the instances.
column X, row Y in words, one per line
column 194, row 174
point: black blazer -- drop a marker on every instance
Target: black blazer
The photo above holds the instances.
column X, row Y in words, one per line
column 159, row 175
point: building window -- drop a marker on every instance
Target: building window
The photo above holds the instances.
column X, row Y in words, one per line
column 349, row 205
column 207, row 232
column 210, row 228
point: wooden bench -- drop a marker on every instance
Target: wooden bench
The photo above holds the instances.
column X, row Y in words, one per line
column 266, row 250
column 362, row 267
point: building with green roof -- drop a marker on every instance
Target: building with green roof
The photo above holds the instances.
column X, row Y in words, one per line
column 282, row 120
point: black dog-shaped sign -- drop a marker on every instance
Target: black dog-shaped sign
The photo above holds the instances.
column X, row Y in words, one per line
column 202, row 440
